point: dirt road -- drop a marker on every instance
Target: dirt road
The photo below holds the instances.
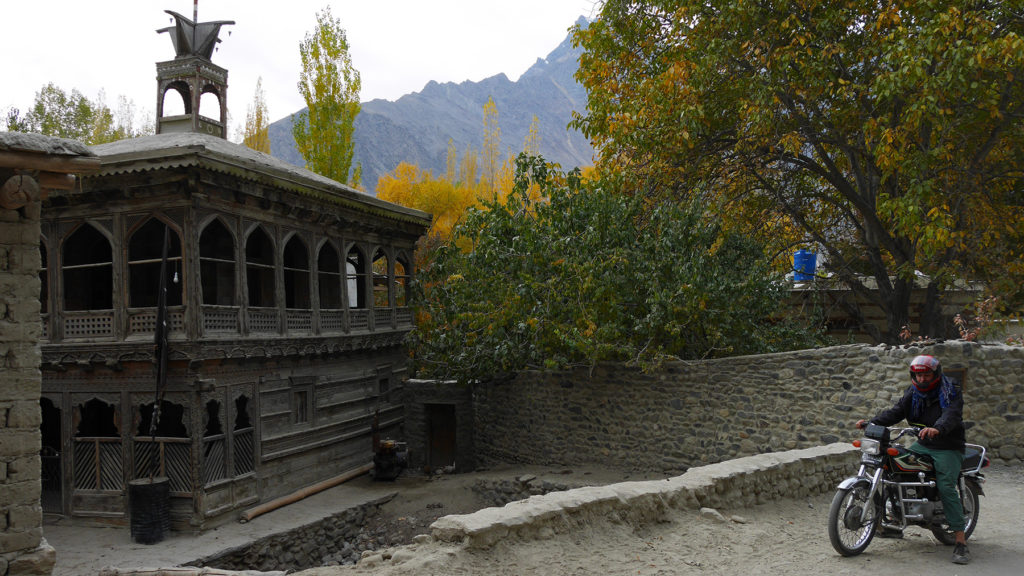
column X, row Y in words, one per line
column 786, row 537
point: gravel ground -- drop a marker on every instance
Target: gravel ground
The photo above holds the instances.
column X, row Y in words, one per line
column 784, row 537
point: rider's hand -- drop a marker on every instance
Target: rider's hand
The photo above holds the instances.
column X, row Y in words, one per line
column 928, row 433
column 861, row 424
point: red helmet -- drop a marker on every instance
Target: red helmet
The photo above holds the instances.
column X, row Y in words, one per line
column 925, row 373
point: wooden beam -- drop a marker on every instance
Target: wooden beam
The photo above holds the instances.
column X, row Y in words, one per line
column 49, row 162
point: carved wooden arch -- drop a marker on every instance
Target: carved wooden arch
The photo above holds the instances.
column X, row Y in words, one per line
column 104, row 230
column 228, row 224
column 183, row 88
column 216, row 91
column 302, row 237
column 79, row 401
column 159, row 216
column 334, row 244
column 251, row 226
column 361, row 249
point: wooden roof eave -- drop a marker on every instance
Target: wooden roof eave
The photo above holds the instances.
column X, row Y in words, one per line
column 325, row 191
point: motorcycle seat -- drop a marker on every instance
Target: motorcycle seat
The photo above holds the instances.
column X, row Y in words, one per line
column 972, row 458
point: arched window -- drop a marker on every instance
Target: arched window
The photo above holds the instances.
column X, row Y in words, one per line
column 296, row 275
column 209, row 104
column 179, row 102
column 381, row 297
column 217, row 265
column 145, row 251
column 329, row 278
column 401, row 282
column 88, row 271
column 355, row 278
column 259, row 269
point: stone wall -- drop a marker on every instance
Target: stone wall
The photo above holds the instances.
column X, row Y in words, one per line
column 339, row 539
column 21, row 517
column 693, row 413
column 741, row 482
column 419, row 396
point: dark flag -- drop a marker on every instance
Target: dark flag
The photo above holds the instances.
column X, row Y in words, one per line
column 160, row 341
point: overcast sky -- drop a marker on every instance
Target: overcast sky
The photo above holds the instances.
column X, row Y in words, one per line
column 397, row 45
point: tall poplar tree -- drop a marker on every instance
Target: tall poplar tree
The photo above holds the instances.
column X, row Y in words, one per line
column 257, row 123
column 330, row 86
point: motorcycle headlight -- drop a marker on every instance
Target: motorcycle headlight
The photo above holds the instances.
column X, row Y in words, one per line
column 870, row 447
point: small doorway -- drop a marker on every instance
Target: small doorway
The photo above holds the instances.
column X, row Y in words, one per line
column 52, row 479
column 440, row 436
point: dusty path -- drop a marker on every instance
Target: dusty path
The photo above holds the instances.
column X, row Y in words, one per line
column 786, row 537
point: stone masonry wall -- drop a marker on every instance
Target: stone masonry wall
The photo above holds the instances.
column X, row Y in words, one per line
column 693, row 413
column 22, row 548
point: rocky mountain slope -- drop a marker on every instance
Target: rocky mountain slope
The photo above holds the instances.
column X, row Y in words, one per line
column 416, row 128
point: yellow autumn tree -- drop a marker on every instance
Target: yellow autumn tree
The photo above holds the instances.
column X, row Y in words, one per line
column 257, row 122
column 410, row 186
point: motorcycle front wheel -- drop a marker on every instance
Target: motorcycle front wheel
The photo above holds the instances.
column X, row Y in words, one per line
column 849, row 534
column 969, row 501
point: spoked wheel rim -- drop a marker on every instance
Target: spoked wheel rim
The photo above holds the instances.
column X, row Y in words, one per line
column 850, row 535
column 969, row 502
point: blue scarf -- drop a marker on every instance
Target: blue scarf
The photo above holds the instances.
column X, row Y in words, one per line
column 945, row 391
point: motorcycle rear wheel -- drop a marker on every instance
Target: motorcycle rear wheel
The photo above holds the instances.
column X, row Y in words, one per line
column 848, row 534
column 970, row 503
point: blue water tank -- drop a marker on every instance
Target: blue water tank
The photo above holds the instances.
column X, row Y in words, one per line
column 804, row 263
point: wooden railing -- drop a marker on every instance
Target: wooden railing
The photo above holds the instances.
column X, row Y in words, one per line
column 98, row 464
column 170, row 457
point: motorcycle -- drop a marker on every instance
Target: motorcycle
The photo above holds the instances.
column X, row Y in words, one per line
column 896, row 488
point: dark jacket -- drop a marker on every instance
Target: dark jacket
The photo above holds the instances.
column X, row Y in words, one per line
column 949, row 421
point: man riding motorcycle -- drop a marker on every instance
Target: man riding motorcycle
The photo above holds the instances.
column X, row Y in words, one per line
column 935, row 402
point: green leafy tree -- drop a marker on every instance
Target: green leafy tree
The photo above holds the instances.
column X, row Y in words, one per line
column 257, row 122
column 886, row 134
column 72, row 115
column 330, row 86
column 576, row 275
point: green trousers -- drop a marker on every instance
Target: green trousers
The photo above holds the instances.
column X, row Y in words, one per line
column 947, row 470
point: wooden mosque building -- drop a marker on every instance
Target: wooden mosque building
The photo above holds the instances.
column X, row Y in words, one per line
column 286, row 306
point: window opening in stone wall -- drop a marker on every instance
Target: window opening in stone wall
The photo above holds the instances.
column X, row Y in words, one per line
column 145, row 252
column 259, row 269
column 217, row 265
column 380, row 280
column 296, row 274
column 329, row 278
column 384, row 390
column 244, row 438
column 355, row 270
column 88, row 271
column 44, row 281
column 401, row 282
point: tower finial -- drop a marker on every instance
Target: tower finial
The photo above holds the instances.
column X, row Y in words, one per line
column 193, row 38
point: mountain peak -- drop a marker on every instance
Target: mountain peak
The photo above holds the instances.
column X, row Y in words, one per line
column 417, row 127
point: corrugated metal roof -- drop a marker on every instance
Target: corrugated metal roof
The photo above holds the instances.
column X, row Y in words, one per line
column 162, row 151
